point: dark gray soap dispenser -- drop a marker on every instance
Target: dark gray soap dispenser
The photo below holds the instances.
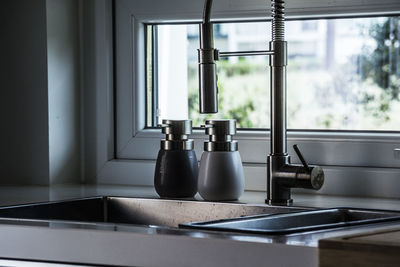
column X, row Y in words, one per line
column 176, row 168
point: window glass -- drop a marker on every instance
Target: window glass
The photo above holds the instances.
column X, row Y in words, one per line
column 343, row 74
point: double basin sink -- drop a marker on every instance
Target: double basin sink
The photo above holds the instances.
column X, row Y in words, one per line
column 199, row 215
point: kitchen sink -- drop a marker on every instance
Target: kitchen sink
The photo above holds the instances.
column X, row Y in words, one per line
column 303, row 221
column 192, row 214
column 137, row 211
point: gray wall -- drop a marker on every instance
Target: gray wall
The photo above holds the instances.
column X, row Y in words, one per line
column 63, row 90
column 39, row 95
column 23, row 95
column 97, row 84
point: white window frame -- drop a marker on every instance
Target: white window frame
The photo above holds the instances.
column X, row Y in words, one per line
column 358, row 164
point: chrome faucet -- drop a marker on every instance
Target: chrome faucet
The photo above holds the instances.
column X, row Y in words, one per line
column 281, row 174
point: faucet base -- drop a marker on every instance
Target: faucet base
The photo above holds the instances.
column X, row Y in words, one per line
column 279, row 202
column 282, row 176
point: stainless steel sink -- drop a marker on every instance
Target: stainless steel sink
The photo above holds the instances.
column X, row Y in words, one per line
column 298, row 221
column 142, row 211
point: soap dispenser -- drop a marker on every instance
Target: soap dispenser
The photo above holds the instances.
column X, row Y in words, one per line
column 221, row 172
column 176, row 167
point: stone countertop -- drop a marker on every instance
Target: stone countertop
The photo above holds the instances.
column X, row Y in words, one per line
column 110, row 244
column 14, row 195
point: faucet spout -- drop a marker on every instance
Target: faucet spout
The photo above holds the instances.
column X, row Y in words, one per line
column 208, row 91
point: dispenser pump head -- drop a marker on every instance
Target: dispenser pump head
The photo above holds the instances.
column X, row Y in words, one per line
column 176, row 134
column 220, row 135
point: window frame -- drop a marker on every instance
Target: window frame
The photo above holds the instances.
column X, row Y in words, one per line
column 338, row 152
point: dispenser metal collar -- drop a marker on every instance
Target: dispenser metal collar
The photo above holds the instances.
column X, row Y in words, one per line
column 220, row 135
column 176, row 127
column 176, row 135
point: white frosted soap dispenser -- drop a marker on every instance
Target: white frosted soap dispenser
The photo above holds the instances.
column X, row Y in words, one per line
column 221, row 172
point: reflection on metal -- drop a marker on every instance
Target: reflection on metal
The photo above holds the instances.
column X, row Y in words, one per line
column 396, row 152
column 137, row 211
column 282, row 224
column 245, row 53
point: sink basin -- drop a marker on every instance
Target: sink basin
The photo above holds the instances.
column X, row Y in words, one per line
column 142, row 211
column 303, row 221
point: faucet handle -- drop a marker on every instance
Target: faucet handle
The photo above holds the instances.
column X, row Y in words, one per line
column 206, row 126
column 316, row 174
column 303, row 161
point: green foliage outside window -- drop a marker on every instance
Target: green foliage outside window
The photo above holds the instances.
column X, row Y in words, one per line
column 363, row 93
column 382, row 68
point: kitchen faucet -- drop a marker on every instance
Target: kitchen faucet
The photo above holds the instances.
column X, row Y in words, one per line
column 281, row 174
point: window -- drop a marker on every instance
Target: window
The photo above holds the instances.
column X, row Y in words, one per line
column 343, row 74
column 348, row 157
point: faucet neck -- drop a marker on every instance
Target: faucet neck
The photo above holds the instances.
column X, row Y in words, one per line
column 278, row 62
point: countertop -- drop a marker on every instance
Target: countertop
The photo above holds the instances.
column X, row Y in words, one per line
column 14, row 195
column 141, row 246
